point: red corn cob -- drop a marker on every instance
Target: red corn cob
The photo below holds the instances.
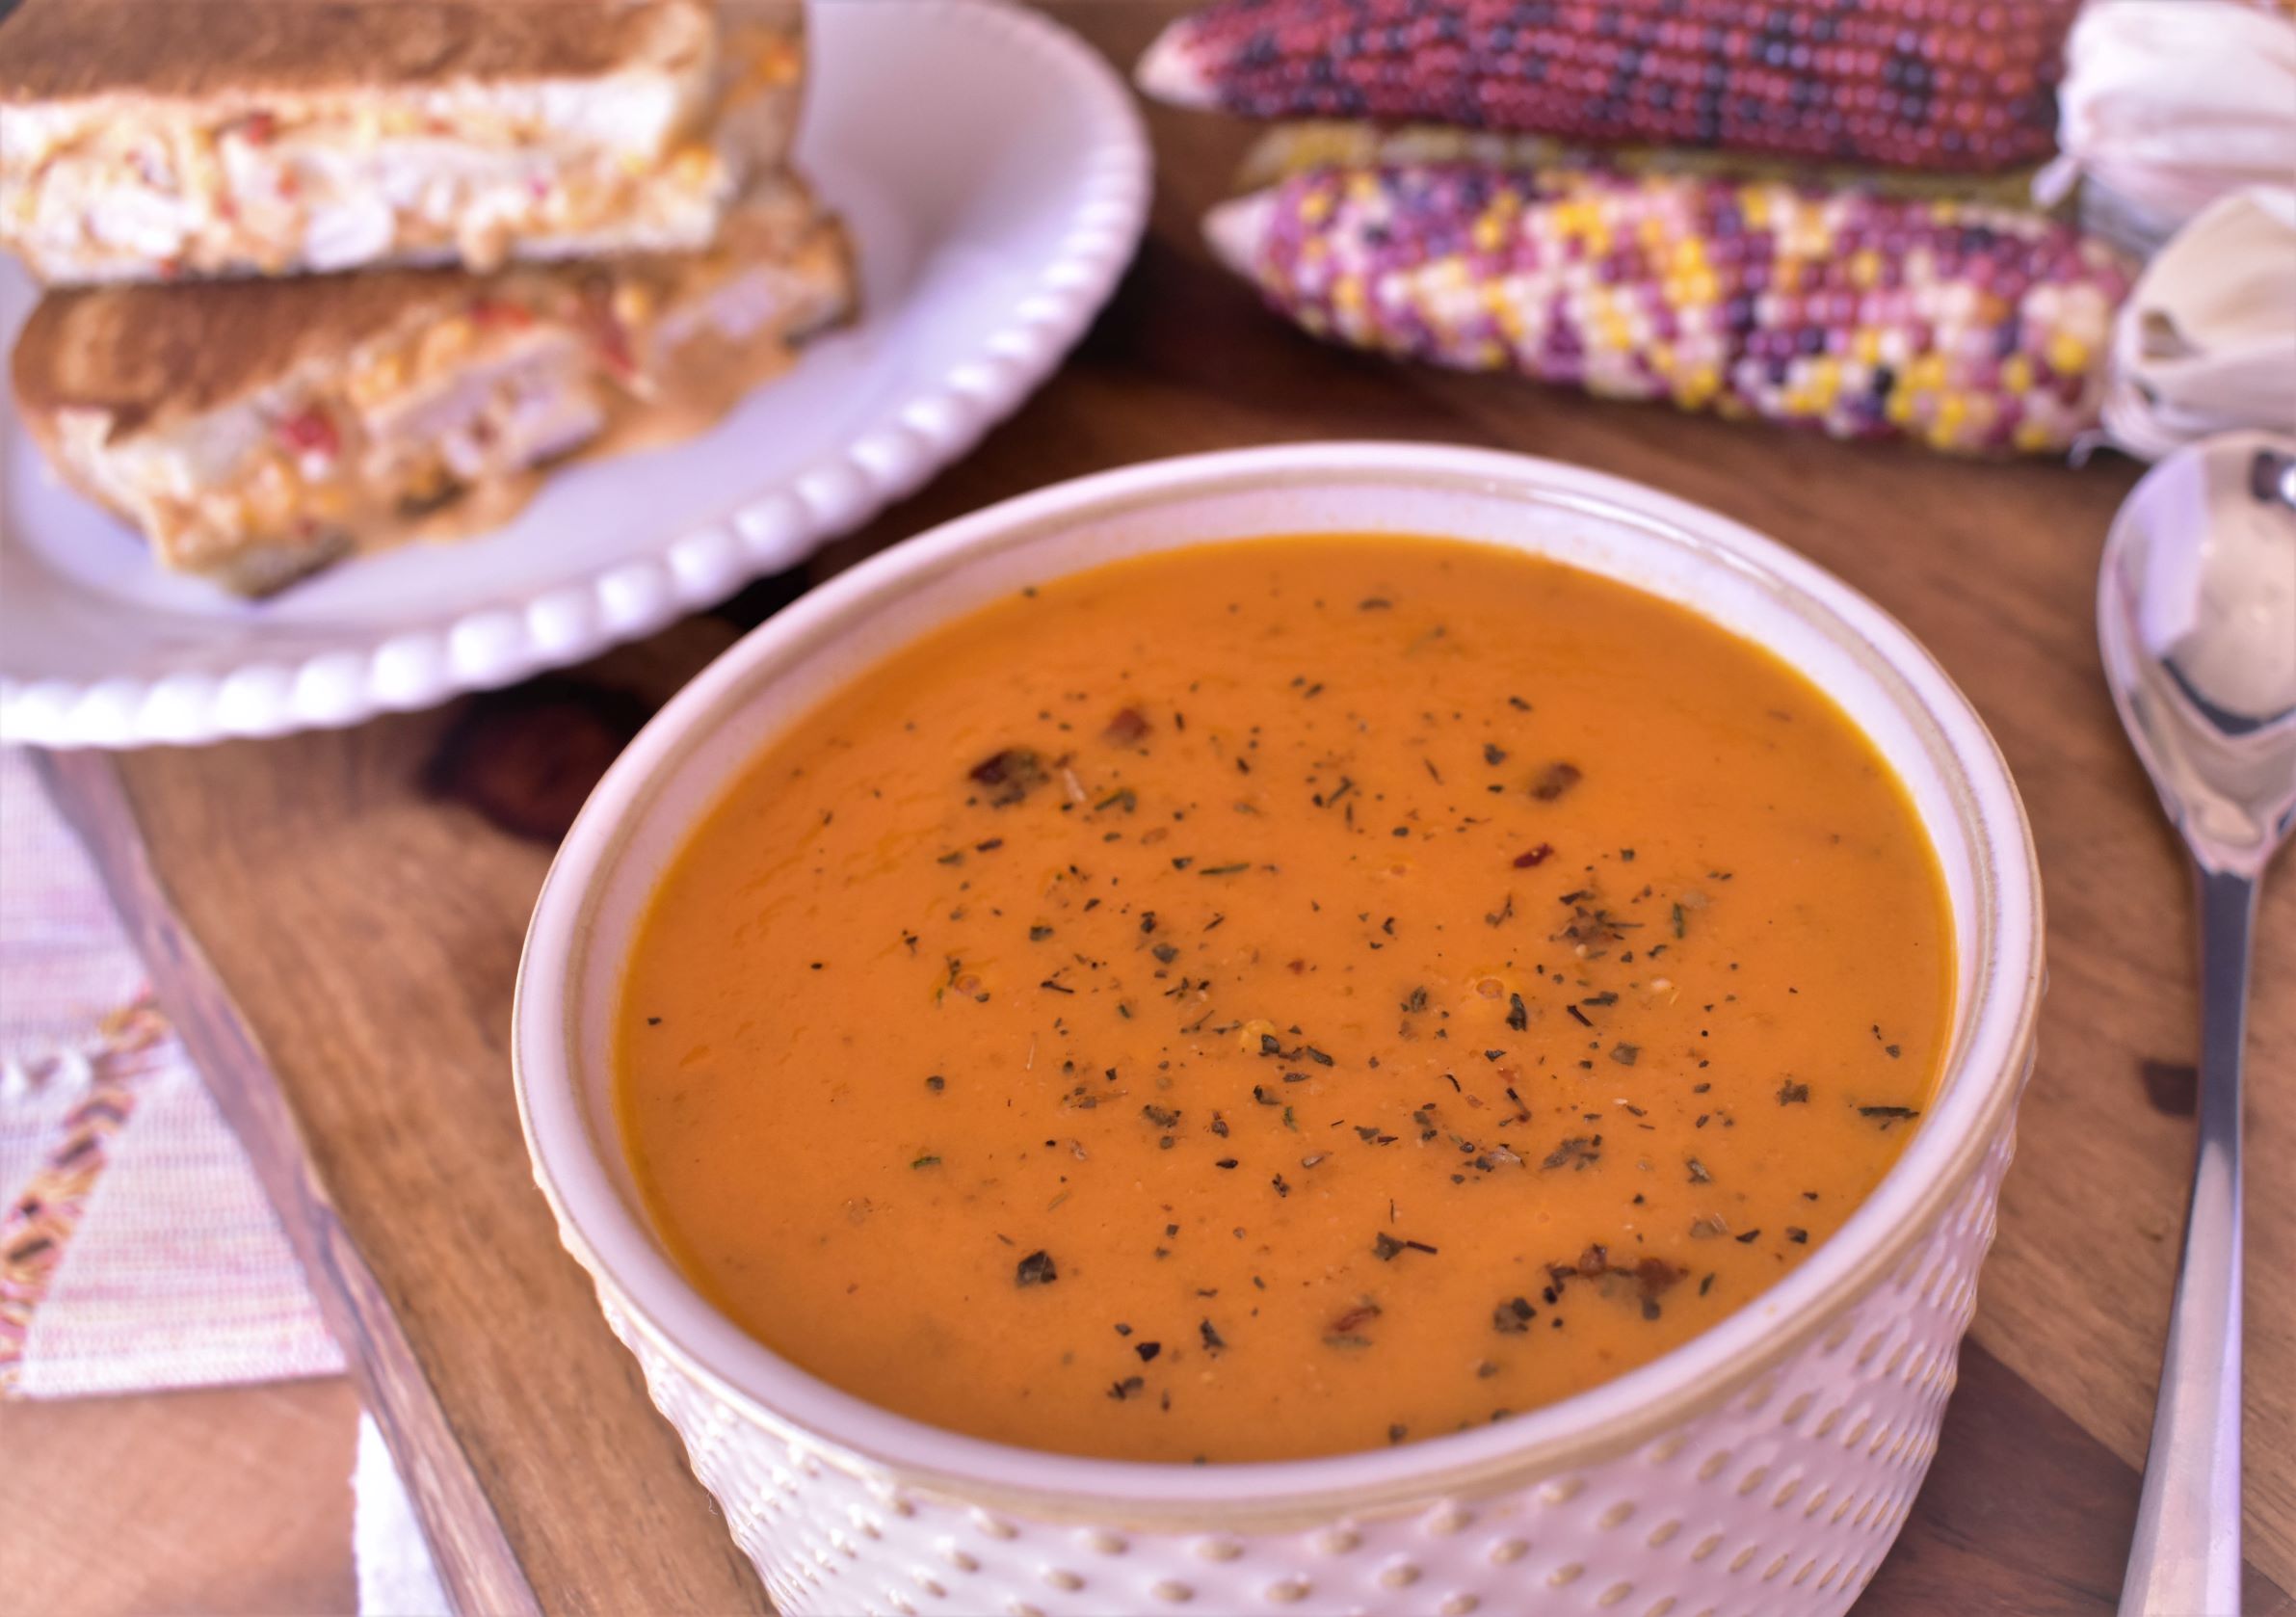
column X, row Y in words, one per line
column 1950, row 85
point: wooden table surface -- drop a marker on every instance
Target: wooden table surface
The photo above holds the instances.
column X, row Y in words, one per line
column 335, row 921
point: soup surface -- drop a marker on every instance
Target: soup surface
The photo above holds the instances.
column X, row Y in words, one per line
column 1276, row 999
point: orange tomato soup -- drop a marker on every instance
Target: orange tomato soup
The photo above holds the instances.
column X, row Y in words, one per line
column 1276, row 999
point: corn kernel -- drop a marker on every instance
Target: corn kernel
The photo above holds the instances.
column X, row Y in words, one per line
column 633, row 304
column 376, row 379
column 443, row 344
column 2035, row 437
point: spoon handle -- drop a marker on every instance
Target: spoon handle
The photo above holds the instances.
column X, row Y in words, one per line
column 2185, row 1561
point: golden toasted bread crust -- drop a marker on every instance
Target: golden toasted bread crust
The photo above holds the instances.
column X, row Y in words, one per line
column 151, row 356
column 53, row 50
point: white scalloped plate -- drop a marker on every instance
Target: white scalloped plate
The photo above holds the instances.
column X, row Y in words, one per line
column 997, row 178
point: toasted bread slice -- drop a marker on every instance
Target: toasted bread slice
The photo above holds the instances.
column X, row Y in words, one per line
column 147, row 140
column 256, row 431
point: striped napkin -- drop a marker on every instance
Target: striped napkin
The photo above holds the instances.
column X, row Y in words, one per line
column 137, row 1252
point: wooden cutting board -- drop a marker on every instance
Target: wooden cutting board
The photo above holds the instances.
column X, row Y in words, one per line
column 335, row 921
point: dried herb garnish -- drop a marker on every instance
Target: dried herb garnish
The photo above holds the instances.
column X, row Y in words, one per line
column 1226, row 870
column 1889, row 1114
column 1494, row 755
column 1555, row 780
column 1749, row 1238
column 1698, row 1173
column 925, row 1162
column 1148, row 1351
column 1125, row 1388
column 1518, row 1014
column 1576, row 1151
column 1534, row 857
column 1009, row 775
column 1580, row 1015
column 1036, row 1270
column 1799, row 1236
column 1213, row 1341
column 1127, row 727
column 1513, row 1317
column 937, row 1083
column 1792, row 1094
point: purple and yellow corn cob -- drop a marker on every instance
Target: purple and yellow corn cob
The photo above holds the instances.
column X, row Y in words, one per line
column 1971, row 329
column 1285, row 150
column 1965, row 86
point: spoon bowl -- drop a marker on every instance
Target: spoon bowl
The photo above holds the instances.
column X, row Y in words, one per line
column 2196, row 614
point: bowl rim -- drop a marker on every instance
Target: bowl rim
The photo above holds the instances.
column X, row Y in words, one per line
column 632, row 1272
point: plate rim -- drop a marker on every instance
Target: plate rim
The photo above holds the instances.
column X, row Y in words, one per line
column 687, row 569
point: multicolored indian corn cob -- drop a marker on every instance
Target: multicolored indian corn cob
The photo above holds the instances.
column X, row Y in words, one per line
column 1284, row 149
column 1957, row 85
column 1969, row 328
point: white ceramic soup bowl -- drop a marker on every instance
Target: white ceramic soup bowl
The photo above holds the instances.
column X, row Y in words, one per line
column 1764, row 1466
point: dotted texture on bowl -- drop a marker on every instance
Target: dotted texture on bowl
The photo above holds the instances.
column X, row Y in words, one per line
column 1778, row 1503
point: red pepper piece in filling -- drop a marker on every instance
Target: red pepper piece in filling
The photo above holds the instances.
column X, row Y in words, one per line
column 311, row 431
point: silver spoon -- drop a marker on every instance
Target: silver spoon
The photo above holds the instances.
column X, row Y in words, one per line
column 2195, row 614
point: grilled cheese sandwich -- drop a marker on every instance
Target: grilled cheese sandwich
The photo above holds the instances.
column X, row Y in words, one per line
column 160, row 139
column 255, row 432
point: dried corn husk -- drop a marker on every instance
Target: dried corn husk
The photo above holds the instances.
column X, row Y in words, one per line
column 2207, row 343
column 2168, row 105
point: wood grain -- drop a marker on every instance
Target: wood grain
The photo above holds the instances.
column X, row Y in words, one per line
column 234, row 1501
column 360, row 899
